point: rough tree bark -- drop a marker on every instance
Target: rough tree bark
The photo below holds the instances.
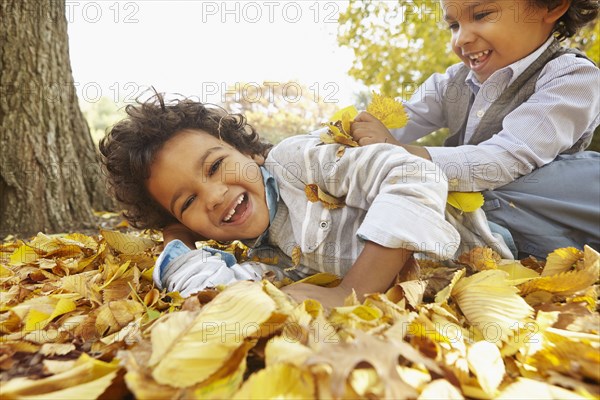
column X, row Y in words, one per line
column 49, row 177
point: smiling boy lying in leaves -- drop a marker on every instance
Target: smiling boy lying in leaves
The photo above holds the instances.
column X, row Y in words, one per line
column 199, row 173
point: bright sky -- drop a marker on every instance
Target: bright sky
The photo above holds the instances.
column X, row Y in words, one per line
column 201, row 47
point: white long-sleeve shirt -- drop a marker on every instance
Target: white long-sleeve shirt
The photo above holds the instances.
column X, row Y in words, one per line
column 564, row 108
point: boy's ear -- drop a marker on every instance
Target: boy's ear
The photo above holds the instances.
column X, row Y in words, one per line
column 558, row 11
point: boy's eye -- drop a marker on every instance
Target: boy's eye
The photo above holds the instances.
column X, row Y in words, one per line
column 481, row 15
column 215, row 167
column 453, row 26
column 187, row 203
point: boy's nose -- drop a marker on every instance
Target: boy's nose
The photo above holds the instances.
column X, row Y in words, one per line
column 463, row 36
column 215, row 195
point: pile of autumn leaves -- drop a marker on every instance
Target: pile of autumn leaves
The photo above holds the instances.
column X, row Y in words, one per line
column 80, row 318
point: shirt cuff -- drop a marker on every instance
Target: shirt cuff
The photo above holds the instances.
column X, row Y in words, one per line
column 171, row 251
column 456, row 166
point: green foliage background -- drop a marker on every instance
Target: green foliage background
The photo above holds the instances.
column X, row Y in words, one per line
column 398, row 44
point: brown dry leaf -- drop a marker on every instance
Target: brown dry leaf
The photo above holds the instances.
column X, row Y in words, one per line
column 413, row 292
column 296, row 256
column 56, row 349
column 127, row 244
column 314, row 194
column 115, row 315
column 343, row 357
column 480, row 258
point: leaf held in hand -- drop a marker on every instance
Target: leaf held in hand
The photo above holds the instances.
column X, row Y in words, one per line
column 389, row 111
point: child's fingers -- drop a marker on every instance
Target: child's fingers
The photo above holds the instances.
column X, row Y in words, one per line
column 364, row 116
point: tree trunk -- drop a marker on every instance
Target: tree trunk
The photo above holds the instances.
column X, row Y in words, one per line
column 49, row 177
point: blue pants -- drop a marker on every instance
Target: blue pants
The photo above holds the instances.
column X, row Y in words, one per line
column 555, row 206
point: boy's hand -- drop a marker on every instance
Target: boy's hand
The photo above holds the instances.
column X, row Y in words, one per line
column 328, row 297
column 366, row 129
column 179, row 231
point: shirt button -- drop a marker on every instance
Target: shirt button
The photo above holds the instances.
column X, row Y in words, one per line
column 324, row 224
column 480, row 113
column 453, row 183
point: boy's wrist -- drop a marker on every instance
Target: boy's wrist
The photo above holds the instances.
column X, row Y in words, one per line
column 181, row 232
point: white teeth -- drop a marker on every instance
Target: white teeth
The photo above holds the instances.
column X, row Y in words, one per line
column 232, row 211
column 477, row 55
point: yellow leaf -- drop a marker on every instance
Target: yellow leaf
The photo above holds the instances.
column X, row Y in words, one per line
column 126, row 244
column 536, row 390
column 491, row 304
column 38, row 320
column 440, row 389
column 485, row 361
column 322, row 279
column 226, row 382
column 314, row 194
column 35, row 320
column 5, row 272
column 466, row 201
column 350, row 111
column 63, row 306
column 192, row 352
column 347, row 118
column 280, row 381
column 561, row 260
column 88, row 379
column 23, row 255
column 564, row 283
column 389, row 111
column 281, row 349
column 517, row 272
column 360, row 317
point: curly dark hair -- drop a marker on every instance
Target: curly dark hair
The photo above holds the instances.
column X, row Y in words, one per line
column 579, row 14
column 130, row 147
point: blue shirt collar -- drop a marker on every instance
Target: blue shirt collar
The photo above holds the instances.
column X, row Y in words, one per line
column 272, row 197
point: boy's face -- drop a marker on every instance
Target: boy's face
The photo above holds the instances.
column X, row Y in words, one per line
column 210, row 187
column 488, row 35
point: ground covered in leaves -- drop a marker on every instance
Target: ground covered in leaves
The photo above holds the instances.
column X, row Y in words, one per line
column 80, row 318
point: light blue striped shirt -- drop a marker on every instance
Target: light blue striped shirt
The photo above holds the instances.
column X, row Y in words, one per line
column 564, row 108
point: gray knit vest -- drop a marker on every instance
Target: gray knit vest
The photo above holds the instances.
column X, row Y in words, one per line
column 458, row 98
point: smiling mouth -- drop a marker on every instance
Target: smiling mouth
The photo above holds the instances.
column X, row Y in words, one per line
column 478, row 58
column 238, row 210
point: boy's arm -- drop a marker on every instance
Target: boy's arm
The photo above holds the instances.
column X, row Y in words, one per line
column 363, row 278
